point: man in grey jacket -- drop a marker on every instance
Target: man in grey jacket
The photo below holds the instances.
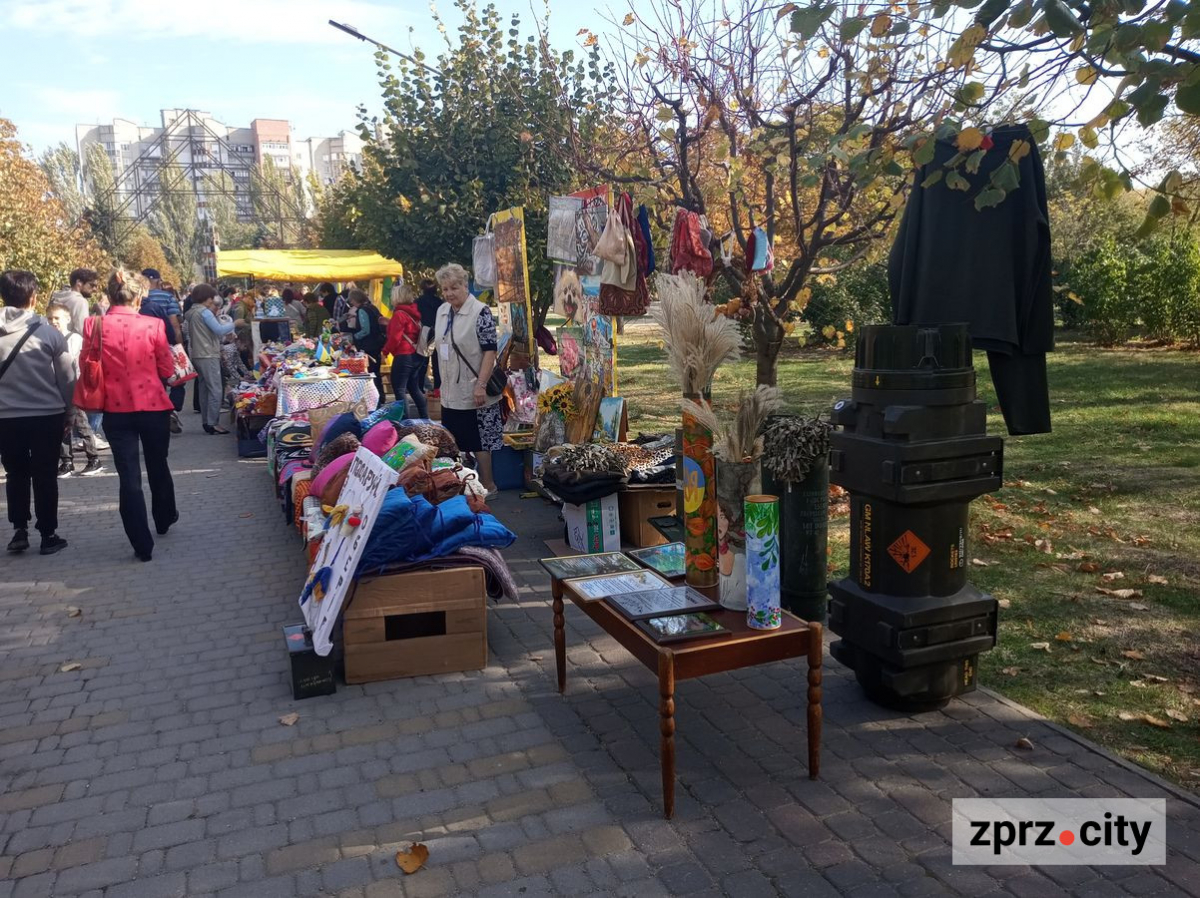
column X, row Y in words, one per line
column 37, row 381
column 77, row 299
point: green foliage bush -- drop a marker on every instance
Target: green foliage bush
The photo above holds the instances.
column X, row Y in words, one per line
column 859, row 294
column 1100, row 277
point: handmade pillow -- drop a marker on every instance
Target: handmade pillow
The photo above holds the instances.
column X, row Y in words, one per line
column 327, row 485
column 346, row 444
column 380, row 438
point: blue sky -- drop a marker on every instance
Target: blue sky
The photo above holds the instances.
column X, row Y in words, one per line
column 69, row 61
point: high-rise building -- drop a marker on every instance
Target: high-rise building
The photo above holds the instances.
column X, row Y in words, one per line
column 207, row 148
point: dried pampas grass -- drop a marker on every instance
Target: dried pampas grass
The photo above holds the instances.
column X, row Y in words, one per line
column 697, row 340
column 739, row 440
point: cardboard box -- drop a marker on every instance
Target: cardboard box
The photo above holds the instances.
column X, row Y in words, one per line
column 416, row 623
column 594, row 527
column 638, row 505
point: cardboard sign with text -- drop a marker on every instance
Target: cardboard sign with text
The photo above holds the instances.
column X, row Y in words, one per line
column 332, row 571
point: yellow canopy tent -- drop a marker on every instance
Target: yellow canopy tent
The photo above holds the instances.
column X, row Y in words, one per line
column 306, row 265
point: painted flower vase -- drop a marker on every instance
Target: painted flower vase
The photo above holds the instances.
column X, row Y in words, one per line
column 735, row 481
column 762, row 562
column 699, row 503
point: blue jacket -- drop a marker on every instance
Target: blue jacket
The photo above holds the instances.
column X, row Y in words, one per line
column 415, row 530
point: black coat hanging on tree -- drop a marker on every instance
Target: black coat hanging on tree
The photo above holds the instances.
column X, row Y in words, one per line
column 987, row 267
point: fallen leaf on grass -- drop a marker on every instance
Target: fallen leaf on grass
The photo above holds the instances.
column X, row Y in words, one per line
column 979, row 562
column 1133, row 655
column 1080, row 720
column 1157, row 580
column 1088, row 567
column 1120, row 593
column 1099, row 622
column 72, row 611
column 1138, row 606
column 1010, row 671
column 1023, row 743
column 1177, row 715
column 1099, row 661
column 70, row 666
column 1098, row 693
column 410, row 860
column 289, row 720
column 1112, row 575
column 1064, row 636
column 1093, row 509
column 1126, row 715
column 1154, row 678
column 1155, row 721
column 1040, row 646
column 1004, row 603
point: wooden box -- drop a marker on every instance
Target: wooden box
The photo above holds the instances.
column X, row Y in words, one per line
column 637, row 506
column 416, row 623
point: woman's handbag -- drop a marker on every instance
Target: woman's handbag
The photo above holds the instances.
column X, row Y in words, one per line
column 483, row 258
column 497, row 381
column 423, row 340
column 89, row 386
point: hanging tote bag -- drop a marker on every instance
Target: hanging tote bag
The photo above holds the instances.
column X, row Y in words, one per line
column 589, row 225
column 612, row 245
column 483, row 257
column 561, row 243
column 89, row 386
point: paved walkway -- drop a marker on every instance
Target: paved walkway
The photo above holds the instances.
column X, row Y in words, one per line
column 160, row 767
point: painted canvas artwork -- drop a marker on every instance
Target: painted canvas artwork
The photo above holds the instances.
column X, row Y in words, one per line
column 669, row 559
column 608, row 419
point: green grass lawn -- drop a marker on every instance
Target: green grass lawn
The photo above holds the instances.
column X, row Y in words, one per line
column 1114, row 490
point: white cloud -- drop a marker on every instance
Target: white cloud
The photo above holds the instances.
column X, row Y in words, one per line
column 243, row 21
column 81, row 105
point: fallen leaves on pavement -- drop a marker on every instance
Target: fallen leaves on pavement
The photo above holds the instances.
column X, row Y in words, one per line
column 289, row 720
column 410, row 860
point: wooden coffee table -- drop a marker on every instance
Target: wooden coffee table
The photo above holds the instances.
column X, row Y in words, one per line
column 695, row 658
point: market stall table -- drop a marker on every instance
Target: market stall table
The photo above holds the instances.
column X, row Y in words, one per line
column 745, row 647
column 299, row 393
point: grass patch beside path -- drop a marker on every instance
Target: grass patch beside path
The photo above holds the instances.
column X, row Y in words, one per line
column 1115, row 489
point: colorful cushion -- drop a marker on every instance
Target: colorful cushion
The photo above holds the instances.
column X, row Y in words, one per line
column 346, row 444
column 380, row 438
column 323, row 482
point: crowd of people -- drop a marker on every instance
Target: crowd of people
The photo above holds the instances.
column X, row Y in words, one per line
column 129, row 328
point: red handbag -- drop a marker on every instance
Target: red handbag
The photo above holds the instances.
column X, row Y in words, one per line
column 89, row 386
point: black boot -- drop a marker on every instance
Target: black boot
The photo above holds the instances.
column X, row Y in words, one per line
column 52, row 543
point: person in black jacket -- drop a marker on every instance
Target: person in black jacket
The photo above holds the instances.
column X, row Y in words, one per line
column 368, row 333
column 429, row 302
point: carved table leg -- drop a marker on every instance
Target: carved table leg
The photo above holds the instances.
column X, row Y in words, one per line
column 560, row 637
column 666, row 712
column 816, row 650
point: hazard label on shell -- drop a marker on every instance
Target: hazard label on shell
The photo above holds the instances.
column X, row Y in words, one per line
column 908, row 551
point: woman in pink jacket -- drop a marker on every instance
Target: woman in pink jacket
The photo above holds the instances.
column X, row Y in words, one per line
column 136, row 358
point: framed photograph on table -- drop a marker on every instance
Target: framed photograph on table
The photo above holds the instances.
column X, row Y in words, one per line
column 566, row 567
column 667, row 559
column 678, row 627
column 661, row 602
column 592, row 589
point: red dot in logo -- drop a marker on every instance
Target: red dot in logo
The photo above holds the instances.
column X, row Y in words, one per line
column 1066, row 837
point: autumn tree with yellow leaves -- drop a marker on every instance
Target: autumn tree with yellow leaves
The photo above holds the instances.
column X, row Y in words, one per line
column 36, row 231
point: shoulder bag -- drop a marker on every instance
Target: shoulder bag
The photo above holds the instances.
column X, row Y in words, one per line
column 497, row 381
column 89, row 387
column 12, row 356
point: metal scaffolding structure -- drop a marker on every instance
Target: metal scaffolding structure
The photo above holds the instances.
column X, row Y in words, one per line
column 189, row 157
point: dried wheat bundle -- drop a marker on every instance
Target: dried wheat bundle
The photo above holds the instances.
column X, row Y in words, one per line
column 697, row 340
column 739, row 440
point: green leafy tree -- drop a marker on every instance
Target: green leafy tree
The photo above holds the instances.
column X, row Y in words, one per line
column 144, row 251
column 279, row 202
column 103, row 214
column 37, row 232
column 62, row 169
column 175, row 218
column 492, row 122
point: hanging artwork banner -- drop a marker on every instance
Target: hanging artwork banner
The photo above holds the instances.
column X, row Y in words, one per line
column 512, row 270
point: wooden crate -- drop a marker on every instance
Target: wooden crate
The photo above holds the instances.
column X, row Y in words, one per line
column 637, row 506
column 416, row 623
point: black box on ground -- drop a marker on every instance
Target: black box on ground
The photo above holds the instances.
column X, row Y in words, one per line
column 311, row 674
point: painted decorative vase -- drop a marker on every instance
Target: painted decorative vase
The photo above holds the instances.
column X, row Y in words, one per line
column 735, row 481
column 699, row 503
column 762, row 562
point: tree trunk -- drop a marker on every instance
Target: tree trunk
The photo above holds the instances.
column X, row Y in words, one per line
column 768, row 338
